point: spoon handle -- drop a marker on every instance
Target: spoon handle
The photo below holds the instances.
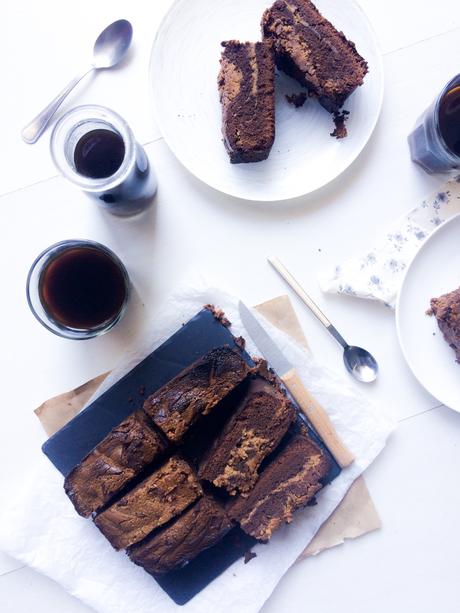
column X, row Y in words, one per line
column 302, row 294
column 32, row 132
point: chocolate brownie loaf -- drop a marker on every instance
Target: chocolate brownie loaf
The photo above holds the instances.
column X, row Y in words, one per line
column 252, row 433
column 309, row 49
column 199, row 528
column 156, row 500
column 247, row 94
column 195, row 391
column 289, row 481
column 446, row 309
column 119, row 457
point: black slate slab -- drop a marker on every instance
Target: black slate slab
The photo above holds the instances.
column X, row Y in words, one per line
column 73, row 442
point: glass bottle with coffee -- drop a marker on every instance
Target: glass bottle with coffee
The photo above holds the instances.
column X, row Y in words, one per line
column 95, row 149
column 435, row 141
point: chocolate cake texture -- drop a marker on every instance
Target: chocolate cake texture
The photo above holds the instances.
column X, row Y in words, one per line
column 252, row 433
column 312, row 51
column 446, row 309
column 288, row 483
column 199, row 528
column 247, row 93
column 195, row 391
column 115, row 461
column 160, row 497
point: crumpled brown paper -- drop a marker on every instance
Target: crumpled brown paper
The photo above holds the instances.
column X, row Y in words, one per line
column 356, row 515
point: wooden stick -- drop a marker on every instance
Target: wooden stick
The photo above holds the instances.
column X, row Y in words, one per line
column 318, row 418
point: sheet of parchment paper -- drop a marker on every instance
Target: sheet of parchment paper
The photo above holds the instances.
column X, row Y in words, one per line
column 39, row 526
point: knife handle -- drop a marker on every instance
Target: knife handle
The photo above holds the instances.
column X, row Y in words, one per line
column 318, row 418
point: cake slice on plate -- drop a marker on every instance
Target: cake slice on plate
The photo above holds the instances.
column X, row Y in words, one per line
column 247, row 94
column 311, row 50
column 446, row 309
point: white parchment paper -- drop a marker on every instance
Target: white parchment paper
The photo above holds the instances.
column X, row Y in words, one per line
column 39, row 526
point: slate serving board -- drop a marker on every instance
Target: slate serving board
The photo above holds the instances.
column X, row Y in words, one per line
column 67, row 447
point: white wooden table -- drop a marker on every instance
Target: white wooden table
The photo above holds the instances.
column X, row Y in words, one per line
column 412, row 563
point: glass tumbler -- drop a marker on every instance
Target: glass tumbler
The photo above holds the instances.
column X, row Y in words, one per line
column 96, row 150
column 428, row 143
column 78, row 289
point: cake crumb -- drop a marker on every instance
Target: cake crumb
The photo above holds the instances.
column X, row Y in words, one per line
column 240, row 342
column 340, row 130
column 248, row 556
column 297, row 100
column 218, row 314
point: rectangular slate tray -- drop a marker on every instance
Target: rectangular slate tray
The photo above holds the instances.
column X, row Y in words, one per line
column 67, row 447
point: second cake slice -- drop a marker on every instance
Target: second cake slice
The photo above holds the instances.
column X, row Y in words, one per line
column 156, row 500
column 247, row 94
column 253, row 432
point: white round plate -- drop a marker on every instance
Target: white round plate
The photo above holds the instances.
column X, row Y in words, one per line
column 183, row 75
column 434, row 271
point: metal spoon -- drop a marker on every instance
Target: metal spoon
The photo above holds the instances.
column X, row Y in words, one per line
column 109, row 49
column 359, row 362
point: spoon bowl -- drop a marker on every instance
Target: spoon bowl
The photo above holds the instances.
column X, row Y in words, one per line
column 112, row 44
column 360, row 364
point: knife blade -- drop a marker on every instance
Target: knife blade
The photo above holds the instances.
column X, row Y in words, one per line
column 314, row 412
column 264, row 343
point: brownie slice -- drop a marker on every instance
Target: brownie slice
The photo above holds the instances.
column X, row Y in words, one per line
column 309, row 49
column 247, row 94
column 288, row 483
column 255, row 429
column 446, row 309
column 199, row 528
column 156, row 500
column 195, row 391
column 117, row 459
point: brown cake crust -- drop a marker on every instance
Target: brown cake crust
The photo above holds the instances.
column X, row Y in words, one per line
column 446, row 309
column 247, row 93
column 156, row 500
column 117, row 459
column 309, row 49
column 288, row 483
column 195, row 391
column 252, row 433
column 199, row 528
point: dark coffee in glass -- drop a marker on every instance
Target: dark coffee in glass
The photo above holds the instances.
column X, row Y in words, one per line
column 95, row 149
column 78, row 289
column 99, row 153
column 435, row 140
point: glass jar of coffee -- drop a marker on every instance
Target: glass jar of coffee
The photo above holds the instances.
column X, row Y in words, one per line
column 435, row 141
column 96, row 150
column 78, row 289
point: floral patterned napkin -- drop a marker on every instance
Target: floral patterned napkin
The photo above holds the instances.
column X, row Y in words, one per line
column 378, row 273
